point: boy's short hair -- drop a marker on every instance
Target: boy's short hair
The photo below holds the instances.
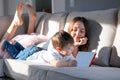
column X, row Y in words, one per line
column 61, row 39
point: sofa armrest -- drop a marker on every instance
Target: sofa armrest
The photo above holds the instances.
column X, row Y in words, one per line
column 25, row 70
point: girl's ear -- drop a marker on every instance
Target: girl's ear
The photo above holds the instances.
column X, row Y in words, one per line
column 58, row 49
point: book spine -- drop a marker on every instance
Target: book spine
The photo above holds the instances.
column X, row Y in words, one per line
column 92, row 60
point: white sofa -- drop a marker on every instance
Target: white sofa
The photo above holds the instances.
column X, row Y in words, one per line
column 104, row 31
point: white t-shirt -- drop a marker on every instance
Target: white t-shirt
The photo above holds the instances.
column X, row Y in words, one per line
column 45, row 45
column 46, row 56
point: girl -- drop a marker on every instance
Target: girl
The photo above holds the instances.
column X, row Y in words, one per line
column 79, row 31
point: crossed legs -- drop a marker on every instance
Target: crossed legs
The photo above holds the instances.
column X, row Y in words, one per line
column 17, row 22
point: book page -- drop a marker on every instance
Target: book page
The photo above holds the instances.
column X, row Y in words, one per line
column 85, row 59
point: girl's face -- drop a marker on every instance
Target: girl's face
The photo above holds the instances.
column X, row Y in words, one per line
column 78, row 31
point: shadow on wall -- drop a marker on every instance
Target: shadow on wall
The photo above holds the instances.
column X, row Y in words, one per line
column 94, row 30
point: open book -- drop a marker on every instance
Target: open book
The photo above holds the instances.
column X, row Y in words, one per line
column 85, row 59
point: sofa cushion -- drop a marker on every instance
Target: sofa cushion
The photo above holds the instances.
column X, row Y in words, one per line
column 115, row 56
column 102, row 27
column 51, row 23
column 40, row 22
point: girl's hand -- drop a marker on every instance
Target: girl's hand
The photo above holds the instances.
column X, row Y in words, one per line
column 81, row 42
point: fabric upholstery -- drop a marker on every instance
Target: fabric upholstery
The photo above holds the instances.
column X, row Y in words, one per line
column 24, row 70
column 115, row 56
column 36, row 71
column 85, row 73
column 40, row 22
column 101, row 26
column 52, row 23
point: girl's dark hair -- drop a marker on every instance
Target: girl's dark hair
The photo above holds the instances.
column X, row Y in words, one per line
column 61, row 39
column 85, row 22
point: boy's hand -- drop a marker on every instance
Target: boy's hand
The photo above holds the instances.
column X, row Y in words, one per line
column 72, row 63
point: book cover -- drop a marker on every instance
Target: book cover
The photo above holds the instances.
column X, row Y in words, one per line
column 85, row 59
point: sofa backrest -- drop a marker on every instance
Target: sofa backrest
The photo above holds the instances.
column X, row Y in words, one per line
column 51, row 23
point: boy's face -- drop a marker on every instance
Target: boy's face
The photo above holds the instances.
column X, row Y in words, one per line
column 67, row 50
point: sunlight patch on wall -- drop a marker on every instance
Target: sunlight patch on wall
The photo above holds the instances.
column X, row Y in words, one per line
column 53, row 27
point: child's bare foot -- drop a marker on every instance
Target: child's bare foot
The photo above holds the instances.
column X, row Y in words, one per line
column 31, row 12
column 18, row 18
column 32, row 18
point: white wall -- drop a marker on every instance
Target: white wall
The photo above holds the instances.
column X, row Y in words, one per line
column 90, row 5
column 58, row 5
column 1, row 8
column 83, row 5
column 10, row 5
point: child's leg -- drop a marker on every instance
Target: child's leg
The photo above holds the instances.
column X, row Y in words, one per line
column 10, row 48
column 3, row 52
column 32, row 18
column 22, row 55
column 17, row 21
column 18, row 46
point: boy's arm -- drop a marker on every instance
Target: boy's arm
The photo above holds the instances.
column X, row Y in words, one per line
column 60, row 63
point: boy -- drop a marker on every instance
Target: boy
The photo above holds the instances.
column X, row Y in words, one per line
column 59, row 55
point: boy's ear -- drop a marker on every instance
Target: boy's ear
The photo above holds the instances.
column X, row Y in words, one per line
column 58, row 49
